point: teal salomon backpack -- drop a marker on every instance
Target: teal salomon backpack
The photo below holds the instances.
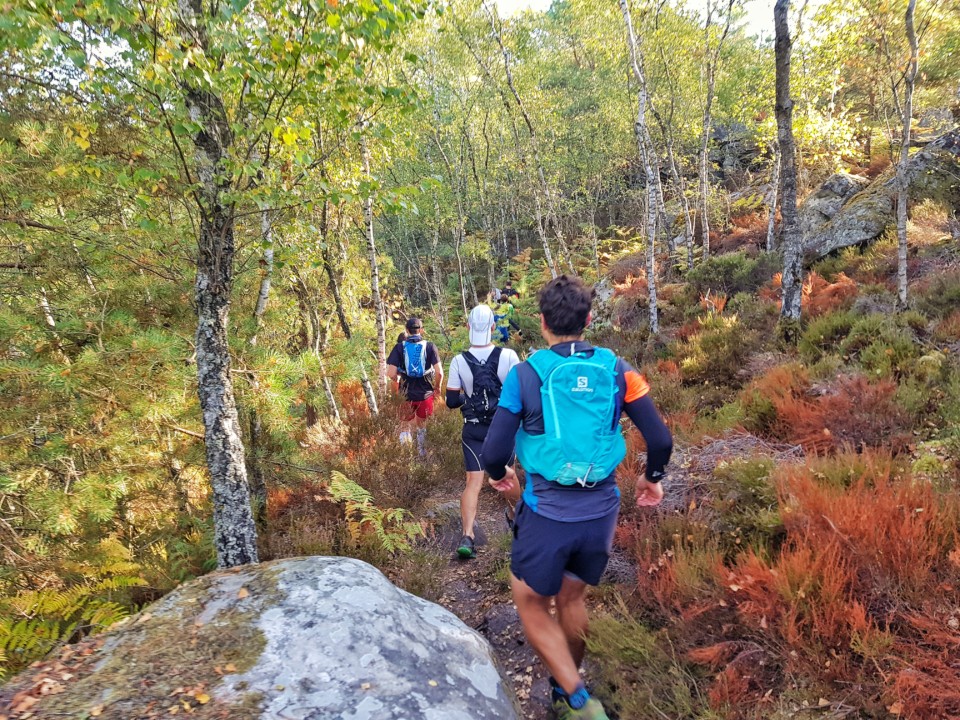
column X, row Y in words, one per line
column 582, row 443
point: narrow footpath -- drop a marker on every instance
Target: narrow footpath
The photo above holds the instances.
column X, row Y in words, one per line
column 478, row 592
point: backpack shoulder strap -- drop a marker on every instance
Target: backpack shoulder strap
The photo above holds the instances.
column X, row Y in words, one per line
column 543, row 362
column 605, row 357
column 494, row 358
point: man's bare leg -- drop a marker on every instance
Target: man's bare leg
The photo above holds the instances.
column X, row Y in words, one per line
column 546, row 635
column 469, row 501
column 572, row 615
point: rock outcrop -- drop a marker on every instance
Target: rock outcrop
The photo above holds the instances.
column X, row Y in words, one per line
column 837, row 216
column 823, row 204
column 303, row 639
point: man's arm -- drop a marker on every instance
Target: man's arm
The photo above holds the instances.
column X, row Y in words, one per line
column 438, row 382
column 498, row 446
column 643, row 413
column 455, row 394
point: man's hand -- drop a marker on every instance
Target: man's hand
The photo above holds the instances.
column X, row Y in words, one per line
column 649, row 494
column 507, row 482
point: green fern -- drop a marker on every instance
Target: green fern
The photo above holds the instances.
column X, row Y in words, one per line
column 393, row 530
column 33, row 623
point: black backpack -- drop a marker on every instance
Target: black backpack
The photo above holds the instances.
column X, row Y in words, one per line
column 482, row 403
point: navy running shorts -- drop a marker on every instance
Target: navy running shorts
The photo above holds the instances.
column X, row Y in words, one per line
column 471, row 440
column 545, row 550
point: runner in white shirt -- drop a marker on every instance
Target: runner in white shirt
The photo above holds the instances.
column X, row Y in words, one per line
column 473, row 385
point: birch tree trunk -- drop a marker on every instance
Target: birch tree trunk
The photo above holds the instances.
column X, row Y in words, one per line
column 792, row 277
column 368, row 391
column 645, row 147
column 704, row 166
column 774, row 194
column 910, row 77
column 235, row 533
column 328, row 391
column 375, row 281
column 266, row 235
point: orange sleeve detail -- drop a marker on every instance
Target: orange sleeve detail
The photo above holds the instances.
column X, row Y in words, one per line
column 637, row 386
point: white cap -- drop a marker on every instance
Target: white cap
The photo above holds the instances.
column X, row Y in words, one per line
column 481, row 324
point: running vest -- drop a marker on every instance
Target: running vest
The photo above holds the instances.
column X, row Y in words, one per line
column 481, row 405
column 414, row 358
column 582, row 443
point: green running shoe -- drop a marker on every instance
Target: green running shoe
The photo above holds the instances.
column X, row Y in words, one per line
column 467, row 550
column 593, row 710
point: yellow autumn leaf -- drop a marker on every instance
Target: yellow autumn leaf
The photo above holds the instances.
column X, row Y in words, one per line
column 82, row 142
column 289, row 138
column 202, row 698
column 242, row 593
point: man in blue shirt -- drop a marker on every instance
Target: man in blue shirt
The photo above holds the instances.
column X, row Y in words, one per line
column 570, row 446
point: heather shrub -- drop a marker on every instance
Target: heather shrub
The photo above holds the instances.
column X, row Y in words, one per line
column 636, row 672
column 820, row 296
column 726, row 417
column 758, row 399
column 745, row 500
column 855, row 597
column 939, row 295
column 853, row 413
column 718, row 352
column 733, row 273
column 948, row 328
column 896, row 534
column 824, row 334
column 881, row 345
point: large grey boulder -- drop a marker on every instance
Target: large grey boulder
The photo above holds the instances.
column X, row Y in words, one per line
column 300, row 639
column 932, row 173
column 821, row 205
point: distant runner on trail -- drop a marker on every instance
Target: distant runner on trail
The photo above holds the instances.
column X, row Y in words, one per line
column 504, row 320
column 562, row 407
column 473, row 385
column 414, row 364
column 508, row 291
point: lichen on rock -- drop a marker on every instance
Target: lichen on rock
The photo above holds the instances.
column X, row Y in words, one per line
column 316, row 637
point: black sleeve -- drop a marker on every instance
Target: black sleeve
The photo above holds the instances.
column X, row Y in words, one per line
column 455, row 398
column 498, row 447
column 396, row 357
column 644, row 415
column 433, row 357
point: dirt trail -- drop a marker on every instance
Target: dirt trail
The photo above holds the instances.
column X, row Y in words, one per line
column 477, row 592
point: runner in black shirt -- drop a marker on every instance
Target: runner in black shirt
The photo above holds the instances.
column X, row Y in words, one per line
column 414, row 365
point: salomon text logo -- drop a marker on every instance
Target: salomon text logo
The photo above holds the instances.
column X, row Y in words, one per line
column 583, row 385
